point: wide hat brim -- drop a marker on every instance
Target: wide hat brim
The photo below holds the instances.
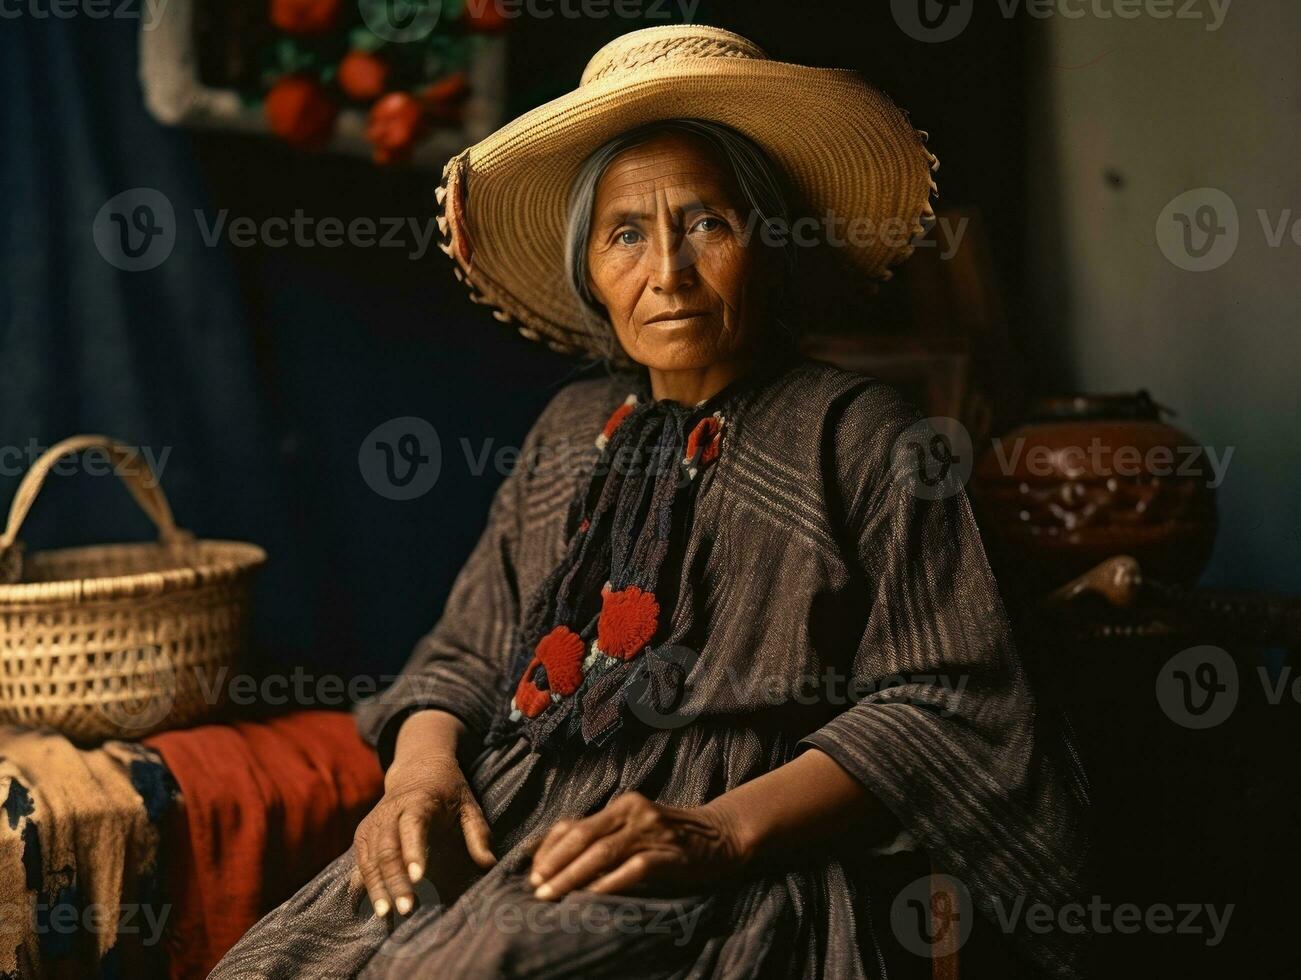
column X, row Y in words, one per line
column 847, row 151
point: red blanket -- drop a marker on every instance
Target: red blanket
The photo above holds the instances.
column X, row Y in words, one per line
column 267, row 805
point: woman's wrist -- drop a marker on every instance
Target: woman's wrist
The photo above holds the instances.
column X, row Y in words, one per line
column 792, row 810
column 427, row 737
column 743, row 833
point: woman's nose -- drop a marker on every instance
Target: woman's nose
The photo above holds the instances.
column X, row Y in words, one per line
column 674, row 265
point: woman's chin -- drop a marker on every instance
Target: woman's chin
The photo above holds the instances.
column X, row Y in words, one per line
column 677, row 345
column 661, row 359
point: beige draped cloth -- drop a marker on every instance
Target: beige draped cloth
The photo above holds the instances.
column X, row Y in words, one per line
column 78, row 856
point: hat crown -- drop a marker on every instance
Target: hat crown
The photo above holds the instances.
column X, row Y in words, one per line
column 664, row 45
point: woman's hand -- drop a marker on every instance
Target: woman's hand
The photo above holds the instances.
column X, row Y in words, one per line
column 427, row 804
column 635, row 841
column 810, row 805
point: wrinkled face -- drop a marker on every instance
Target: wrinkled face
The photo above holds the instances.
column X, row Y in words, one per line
column 667, row 258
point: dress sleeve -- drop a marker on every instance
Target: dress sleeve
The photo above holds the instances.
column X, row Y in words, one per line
column 458, row 667
column 945, row 731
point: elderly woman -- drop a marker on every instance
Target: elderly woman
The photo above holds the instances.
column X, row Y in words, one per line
column 718, row 645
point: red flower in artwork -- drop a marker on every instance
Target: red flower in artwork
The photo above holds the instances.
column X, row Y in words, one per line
column 305, row 16
column 300, row 112
column 395, row 123
column 705, row 439
column 628, row 621
column 488, row 17
column 444, row 101
column 362, row 75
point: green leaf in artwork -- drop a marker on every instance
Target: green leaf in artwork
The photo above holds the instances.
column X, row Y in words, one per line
column 362, row 38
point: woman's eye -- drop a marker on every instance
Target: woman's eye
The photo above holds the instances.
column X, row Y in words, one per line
column 628, row 237
column 708, row 225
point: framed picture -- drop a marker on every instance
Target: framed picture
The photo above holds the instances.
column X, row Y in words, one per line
column 214, row 64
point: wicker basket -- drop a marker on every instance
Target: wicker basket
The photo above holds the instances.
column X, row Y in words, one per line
column 123, row 640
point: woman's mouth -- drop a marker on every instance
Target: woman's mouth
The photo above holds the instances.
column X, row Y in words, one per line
column 671, row 316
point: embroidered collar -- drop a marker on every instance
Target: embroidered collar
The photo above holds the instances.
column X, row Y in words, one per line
column 591, row 630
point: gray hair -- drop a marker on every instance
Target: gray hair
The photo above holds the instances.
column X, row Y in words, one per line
column 757, row 178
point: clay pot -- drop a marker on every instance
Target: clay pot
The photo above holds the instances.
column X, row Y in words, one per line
column 1090, row 477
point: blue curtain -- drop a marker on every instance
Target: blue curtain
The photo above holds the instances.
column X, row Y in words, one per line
column 159, row 358
column 261, row 439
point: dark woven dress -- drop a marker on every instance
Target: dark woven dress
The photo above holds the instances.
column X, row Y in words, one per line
column 819, row 600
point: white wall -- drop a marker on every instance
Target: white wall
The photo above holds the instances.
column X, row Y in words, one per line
column 1170, row 106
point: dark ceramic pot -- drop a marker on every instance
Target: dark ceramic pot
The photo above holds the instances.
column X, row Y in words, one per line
column 1090, row 477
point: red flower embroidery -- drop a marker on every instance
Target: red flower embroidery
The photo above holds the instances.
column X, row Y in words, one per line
column 529, row 698
column 615, row 420
column 561, row 653
column 705, row 439
column 628, row 621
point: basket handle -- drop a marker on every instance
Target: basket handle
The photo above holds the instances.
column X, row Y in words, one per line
column 127, row 462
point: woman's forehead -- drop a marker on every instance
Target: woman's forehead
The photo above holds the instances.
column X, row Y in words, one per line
column 671, row 169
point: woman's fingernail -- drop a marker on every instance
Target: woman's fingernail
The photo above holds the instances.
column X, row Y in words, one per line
column 415, row 871
column 381, row 909
column 404, row 905
column 535, row 879
column 545, row 892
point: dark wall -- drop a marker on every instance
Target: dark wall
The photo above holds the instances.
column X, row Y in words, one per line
column 318, row 345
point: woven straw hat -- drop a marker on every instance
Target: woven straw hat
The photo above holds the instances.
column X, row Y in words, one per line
column 844, row 147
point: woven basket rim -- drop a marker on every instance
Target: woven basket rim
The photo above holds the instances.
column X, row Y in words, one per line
column 223, row 561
